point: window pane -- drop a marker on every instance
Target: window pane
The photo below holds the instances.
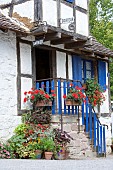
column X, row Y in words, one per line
column 88, row 65
column 88, row 74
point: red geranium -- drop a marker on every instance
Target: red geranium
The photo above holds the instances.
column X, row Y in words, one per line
column 35, row 95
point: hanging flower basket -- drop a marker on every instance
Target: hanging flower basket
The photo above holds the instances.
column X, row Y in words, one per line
column 42, row 103
column 70, row 102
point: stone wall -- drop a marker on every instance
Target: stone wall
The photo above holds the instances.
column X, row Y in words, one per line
column 79, row 147
column 8, row 85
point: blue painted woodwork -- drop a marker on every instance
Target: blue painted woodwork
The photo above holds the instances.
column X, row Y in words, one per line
column 101, row 139
column 77, row 68
column 89, row 118
column 87, row 115
column 53, row 104
column 70, row 1
column 64, row 90
column 85, row 69
column 90, row 121
column 102, row 74
column 82, row 113
column 104, row 140
column 95, row 129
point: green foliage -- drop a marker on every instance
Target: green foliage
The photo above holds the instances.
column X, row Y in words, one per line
column 101, row 27
column 19, row 130
column 48, row 144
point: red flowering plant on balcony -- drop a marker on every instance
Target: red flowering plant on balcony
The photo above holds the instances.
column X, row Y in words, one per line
column 36, row 95
column 94, row 92
column 75, row 94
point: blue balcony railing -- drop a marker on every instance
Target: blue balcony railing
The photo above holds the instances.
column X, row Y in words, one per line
column 89, row 117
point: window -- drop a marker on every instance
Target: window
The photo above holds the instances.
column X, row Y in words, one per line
column 87, row 70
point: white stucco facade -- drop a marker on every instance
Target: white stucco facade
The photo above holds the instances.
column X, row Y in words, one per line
column 8, row 85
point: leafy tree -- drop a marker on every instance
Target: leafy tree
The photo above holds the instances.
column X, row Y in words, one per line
column 101, row 26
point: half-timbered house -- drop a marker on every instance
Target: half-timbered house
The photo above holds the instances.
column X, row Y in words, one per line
column 48, row 42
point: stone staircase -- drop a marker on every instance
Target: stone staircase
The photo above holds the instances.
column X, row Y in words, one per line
column 81, row 146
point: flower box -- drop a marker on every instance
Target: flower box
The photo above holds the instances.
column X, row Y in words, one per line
column 72, row 102
column 42, row 103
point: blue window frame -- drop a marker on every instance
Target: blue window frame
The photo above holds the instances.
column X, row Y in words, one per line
column 87, row 70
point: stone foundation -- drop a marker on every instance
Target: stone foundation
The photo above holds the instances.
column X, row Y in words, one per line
column 79, row 147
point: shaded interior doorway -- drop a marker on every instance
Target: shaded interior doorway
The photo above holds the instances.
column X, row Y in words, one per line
column 43, row 64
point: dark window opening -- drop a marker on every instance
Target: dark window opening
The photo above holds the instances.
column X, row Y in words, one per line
column 42, row 64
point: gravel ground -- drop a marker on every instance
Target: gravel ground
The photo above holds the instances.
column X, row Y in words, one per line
column 89, row 164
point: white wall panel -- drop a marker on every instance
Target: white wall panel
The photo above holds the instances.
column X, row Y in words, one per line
column 25, row 9
column 61, row 64
column 25, row 56
column 66, row 12
column 70, row 66
column 82, row 3
column 26, row 85
column 50, row 12
column 82, row 23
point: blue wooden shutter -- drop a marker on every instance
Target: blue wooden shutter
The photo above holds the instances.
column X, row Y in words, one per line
column 70, row 1
column 77, row 68
column 102, row 74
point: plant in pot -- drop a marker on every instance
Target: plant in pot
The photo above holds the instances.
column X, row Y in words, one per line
column 62, row 138
column 39, row 98
column 94, row 93
column 74, row 96
column 36, row 147
column 48, row 147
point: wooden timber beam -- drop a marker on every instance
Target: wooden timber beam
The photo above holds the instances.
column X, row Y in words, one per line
column 49, row 36
column 63, row 40
column 40, row 30
column 74, row 45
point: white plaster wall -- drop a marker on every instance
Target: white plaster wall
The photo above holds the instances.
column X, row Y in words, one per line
column 66, row 12
column 82, row 3
column 25, row 57
column 82, row 23
column 2, row 2
column 61, row 64
column 25, row 9
column 107, row 121
column 50, row 12
column 8, row 84
column 70, row 67
column 26, row 85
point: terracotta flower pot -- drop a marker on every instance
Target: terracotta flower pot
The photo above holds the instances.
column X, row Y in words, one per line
column 70, row 102
column 42, row 103
column 48, row 155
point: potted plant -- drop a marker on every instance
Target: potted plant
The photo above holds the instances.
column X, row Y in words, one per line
column 48, row 147
column 74, row 96
column 62, row 138
column 39, row 98
column 94, row 92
